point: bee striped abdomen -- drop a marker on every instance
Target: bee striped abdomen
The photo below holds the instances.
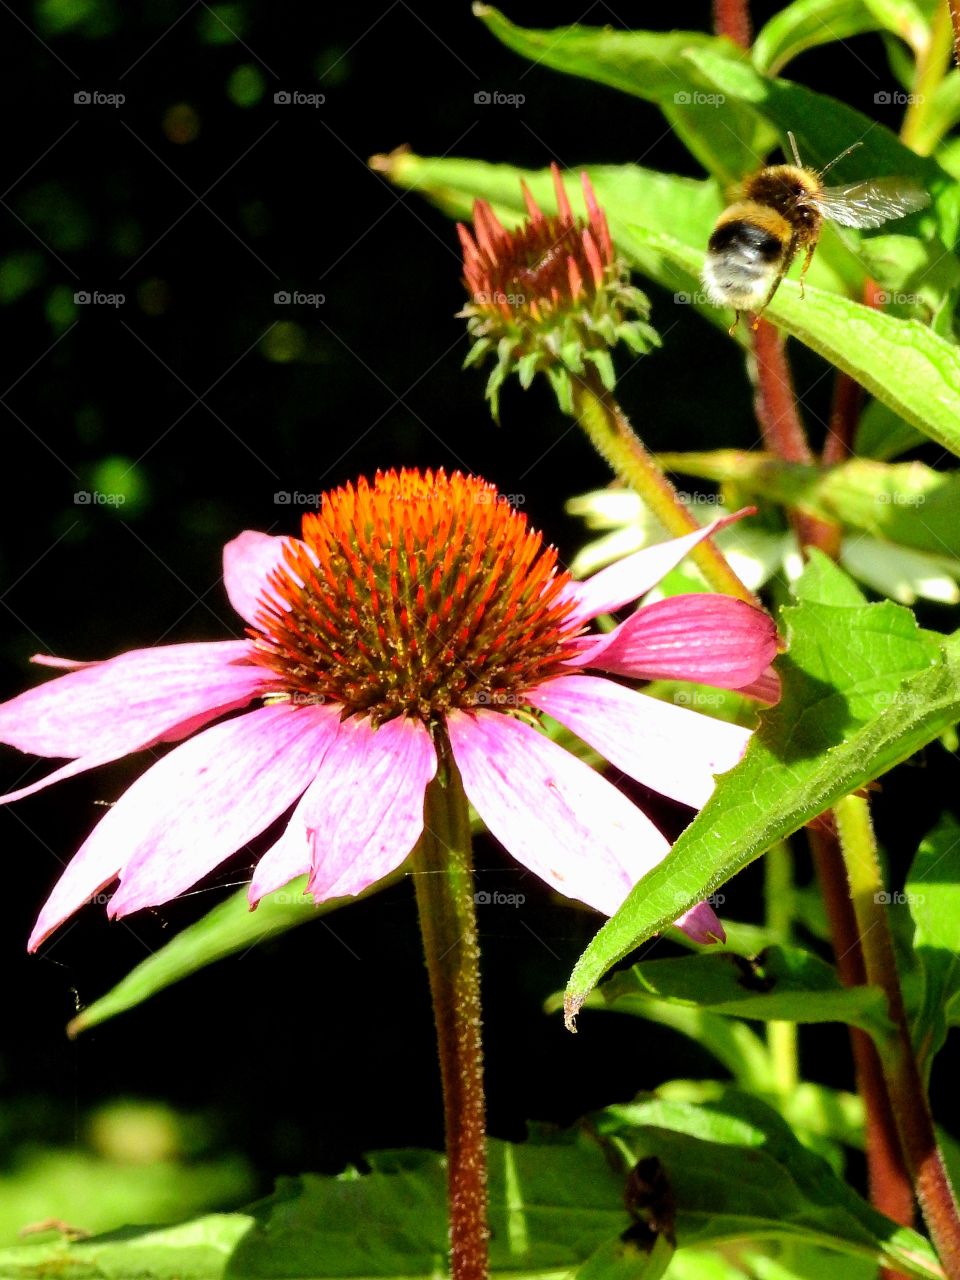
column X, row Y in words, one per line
column 745, row 254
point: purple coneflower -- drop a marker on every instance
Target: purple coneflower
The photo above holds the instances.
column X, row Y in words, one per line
column 416, row 609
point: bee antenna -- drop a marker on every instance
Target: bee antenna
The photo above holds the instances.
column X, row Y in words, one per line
column 837, row 159
column 793, row 148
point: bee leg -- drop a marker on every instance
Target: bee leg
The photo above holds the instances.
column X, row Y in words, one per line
column 733, row 328
column 806, row 263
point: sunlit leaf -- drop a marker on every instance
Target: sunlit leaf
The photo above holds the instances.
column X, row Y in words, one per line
column 804, row 25
column 863, row 689
column 780, row 984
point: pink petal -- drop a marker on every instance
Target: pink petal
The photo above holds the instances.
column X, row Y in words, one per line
column 566, row 823
column 247, row 563
column 702, row 924
column 634, row 576
column 193, row 809
column 706, row 638
column 766, row 687
column 362, row 815
column 101, row 711
column 671, row 749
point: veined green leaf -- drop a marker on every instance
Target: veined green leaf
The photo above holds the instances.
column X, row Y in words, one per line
column 738, row 1172
column 724, row 136
column 230, row 927
column 879, row 498
column 824, row 127
column 933, row 897
column 780, row 984
column 863, row 689
column 556, row 1205
column 902, row 362
column 883, row 434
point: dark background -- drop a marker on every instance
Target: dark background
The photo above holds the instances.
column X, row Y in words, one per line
column 199, row 398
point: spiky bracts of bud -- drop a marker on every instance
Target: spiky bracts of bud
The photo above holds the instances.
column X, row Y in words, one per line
column 550, row 297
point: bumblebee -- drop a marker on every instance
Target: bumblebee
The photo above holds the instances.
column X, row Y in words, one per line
column 781, row 211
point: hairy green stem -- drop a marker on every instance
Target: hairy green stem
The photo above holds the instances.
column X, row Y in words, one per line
column 904, row 1084
column 443, row 876
column 611, row 434
column 932, row 63
column 778, row 896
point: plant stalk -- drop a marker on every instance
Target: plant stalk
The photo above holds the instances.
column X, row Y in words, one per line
column 731, row 18
column 932, row 64
column 889, row 1182
column 611, row 434
column 443, row 876
column 778, row 896
column 904, row 1084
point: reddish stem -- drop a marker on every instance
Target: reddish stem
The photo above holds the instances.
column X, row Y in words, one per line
column 890, row 1189
column 783, row 431
column 955, row 19
column 443, row 878
column 847, row 399
column 731, row 18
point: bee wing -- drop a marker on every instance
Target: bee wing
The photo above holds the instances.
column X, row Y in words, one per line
column 871, row 203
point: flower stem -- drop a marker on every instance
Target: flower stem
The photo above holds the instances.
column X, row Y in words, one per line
column 889, row 1182
column 932, row 63
column 778, row 896
column 611, row 434
column 783, row 431
column 731, row 18
column 904, row 1084
column 443, row 876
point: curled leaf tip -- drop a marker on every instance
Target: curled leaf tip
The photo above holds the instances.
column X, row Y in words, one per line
column 389, row 162
column 571, row 1007
column 75, row 1026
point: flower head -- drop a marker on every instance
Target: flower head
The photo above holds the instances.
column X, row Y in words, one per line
column 550, row 296
column 415, row 606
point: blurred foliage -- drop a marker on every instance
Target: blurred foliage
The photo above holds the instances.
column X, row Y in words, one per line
column 132, row 1162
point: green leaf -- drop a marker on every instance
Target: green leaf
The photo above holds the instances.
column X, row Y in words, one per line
column 804, row 25
column 919, row 281
column 230, row 927
column 902, row 18
column 731, row 1167
column 883, row 434
column 725, row 137
column 933, row 897
column 197, row 1250
column 878, row 498
column 734, row 1045
column 903, row 363
column 550, row 1206
column 553, row 1204
column 941, row 114
column 911, row 369
column 632, row 197
column 863, row 689
column 784, row 984
column 736, row 1170
column 824, row 127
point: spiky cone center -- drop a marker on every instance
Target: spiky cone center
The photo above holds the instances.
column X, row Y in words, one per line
column 415, row 595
